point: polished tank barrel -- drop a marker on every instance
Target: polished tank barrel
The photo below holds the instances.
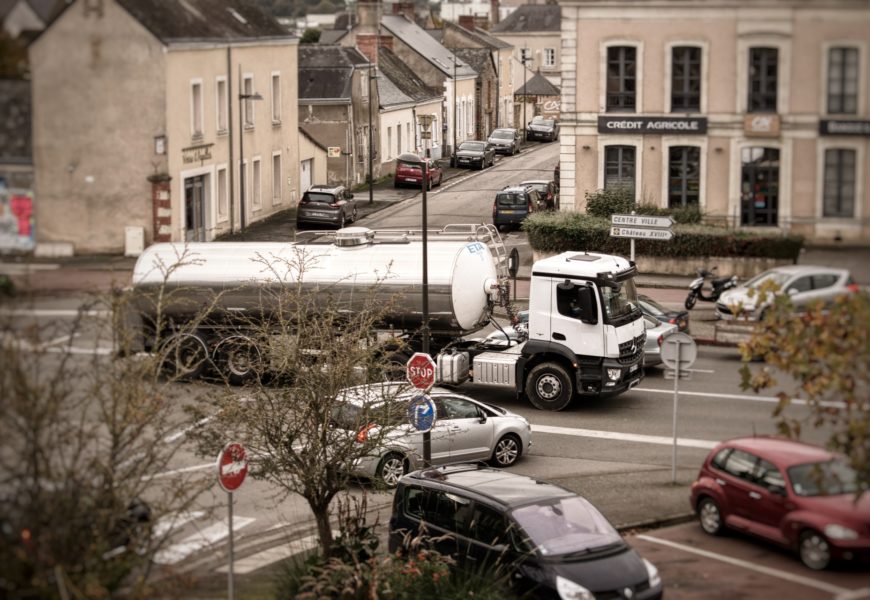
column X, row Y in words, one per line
column 242, row 279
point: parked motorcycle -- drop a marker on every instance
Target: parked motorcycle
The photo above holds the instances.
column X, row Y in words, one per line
column 696, row 289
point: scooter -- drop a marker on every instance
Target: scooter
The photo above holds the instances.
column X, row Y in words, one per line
column 720, row 284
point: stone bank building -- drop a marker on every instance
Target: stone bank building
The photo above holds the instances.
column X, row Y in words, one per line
column 756, row 111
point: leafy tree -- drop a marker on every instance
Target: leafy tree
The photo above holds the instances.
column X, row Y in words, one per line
column 86, row 441
column 311, row 35
column 309, row 344
column 825, row 351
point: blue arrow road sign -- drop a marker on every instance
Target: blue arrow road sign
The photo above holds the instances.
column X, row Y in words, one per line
column 421, row 413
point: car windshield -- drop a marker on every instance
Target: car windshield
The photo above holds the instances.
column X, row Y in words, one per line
column 318, row 197
column 407, row 165
column 540, row 187
column 544, row 122
column 566, row 526
column 774, row 276
column 473, row 146
column 502, row 134
column 823, row 479
column 511, row 199
column 620, row 303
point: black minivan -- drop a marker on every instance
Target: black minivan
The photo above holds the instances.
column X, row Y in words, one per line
column 513, row 204
column 553, row 542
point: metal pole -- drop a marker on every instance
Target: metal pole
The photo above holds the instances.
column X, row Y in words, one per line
column 241, row 152
column 676, row 401
column 371, row 144
column 632, row 244
column 230, row 590
column 525, row 94
column 232, row 182
column 455, row 126
column 427, row 440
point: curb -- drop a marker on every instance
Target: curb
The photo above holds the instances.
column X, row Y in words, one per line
column 657, row 523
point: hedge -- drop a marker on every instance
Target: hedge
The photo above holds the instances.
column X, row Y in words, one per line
column 562, row 231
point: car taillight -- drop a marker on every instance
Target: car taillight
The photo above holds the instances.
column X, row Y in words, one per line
column 494, row 209
column 333, row 205
column 673, row 321
column 363, row 434
column 853, row 287
column 660, row 340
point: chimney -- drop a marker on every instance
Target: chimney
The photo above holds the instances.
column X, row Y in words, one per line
column 467, row 21
column 405, row 8
column 493, row 12
column 367, row 44
column 367, row 12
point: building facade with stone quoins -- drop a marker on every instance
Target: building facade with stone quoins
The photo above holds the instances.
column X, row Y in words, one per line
column 757, row 112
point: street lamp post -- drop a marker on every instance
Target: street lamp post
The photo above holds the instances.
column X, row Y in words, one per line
column 525, row 91
column 371, row 141
column 243, row 113
column 455, row 124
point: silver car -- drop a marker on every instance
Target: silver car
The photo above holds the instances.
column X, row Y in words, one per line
column 464, row 430
column 804, row 283
column 656, row 332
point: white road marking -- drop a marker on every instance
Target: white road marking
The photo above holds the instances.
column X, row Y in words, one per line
column 175, row 521
column 819, row 585
column 199, row 540
column 746, row 398
column 625, row 437
column 61, row 339
column 267, row 557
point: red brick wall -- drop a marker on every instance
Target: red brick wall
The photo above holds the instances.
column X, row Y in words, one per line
column 161, row 202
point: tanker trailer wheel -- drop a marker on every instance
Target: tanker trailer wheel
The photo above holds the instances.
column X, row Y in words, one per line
column 184, row 356
column 238, row 359
column 549, row 387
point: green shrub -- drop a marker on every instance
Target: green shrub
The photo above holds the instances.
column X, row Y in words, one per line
column 560, row 232
column 603, row 203
column 7, row 288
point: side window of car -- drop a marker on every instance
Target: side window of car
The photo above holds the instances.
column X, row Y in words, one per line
column 720, row 458
column 449, row 511
column 459, row 408
column 741, row 464
column 801, row 284
column 487, row 526
column 823, row 281
column 414, row 502
column 769, row 477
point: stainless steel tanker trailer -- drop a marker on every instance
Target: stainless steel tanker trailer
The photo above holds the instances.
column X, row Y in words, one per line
column 598, row 350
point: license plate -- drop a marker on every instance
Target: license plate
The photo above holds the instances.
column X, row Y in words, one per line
column 508, row 212
column 318, row 214
column 632, row 368
column 412, row 180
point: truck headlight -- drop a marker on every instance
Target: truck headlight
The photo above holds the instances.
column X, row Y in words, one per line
column 568, row 590
column 653, row 573
column 613, row 374
column 838, row 532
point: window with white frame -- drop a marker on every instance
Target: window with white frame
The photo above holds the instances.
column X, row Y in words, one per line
column 685, row 79
column 276, row 98
column 843, row 81
column 196, row 108
column 469, row 118
column 222, row 194
column 684, row 176
column 408, row 136
column 248, row 90
column 839, row 190
column 277, row 195
column 549, row 57
column 763, row 79
column 221, row 104
column 619, row 168
column 621, row 79
column 526, row 56
column 436, row 131
column 399, row 138
column 364, row 84
column 389, row 143
column 256, row 184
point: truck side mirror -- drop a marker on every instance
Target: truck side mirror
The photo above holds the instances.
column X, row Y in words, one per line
column 588, row 305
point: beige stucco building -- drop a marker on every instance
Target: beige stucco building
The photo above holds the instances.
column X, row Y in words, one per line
column 139, row 124
column 755, row 111
column 534, row 31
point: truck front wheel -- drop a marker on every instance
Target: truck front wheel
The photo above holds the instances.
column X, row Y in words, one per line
column 549, row 387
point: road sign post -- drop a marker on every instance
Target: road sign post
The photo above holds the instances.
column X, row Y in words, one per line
column 232, row 467
column 645, row 227
column 679, row 353
column 421, row 374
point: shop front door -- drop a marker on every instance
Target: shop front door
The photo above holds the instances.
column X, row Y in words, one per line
column 759, row 187
column 194, row 209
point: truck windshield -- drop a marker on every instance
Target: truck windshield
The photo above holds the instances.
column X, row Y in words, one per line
column 619, row 305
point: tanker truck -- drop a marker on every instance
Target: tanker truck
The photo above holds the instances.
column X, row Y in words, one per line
column 585, row 334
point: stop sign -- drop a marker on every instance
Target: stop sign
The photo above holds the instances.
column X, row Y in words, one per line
column 232, row 466
column 421, row 371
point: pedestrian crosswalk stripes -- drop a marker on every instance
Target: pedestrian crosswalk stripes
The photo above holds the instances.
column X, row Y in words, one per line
column 201, row 539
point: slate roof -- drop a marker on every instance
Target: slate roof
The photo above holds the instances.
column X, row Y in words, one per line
column 331, row 36
column 478, row 58
column 404, row 78
column 417, row 38
column 531, row 17
column 326, row 72
column 389, row 93
column 480, row 35
column 538, row 85
column 47, row 9
column 15, row 121
column 204, row 20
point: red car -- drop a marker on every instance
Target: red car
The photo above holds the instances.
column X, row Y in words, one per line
column 411, row 174
column 794, row 494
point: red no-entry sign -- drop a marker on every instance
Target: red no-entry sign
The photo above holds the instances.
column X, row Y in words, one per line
column 421, row 371
column 232, row 466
